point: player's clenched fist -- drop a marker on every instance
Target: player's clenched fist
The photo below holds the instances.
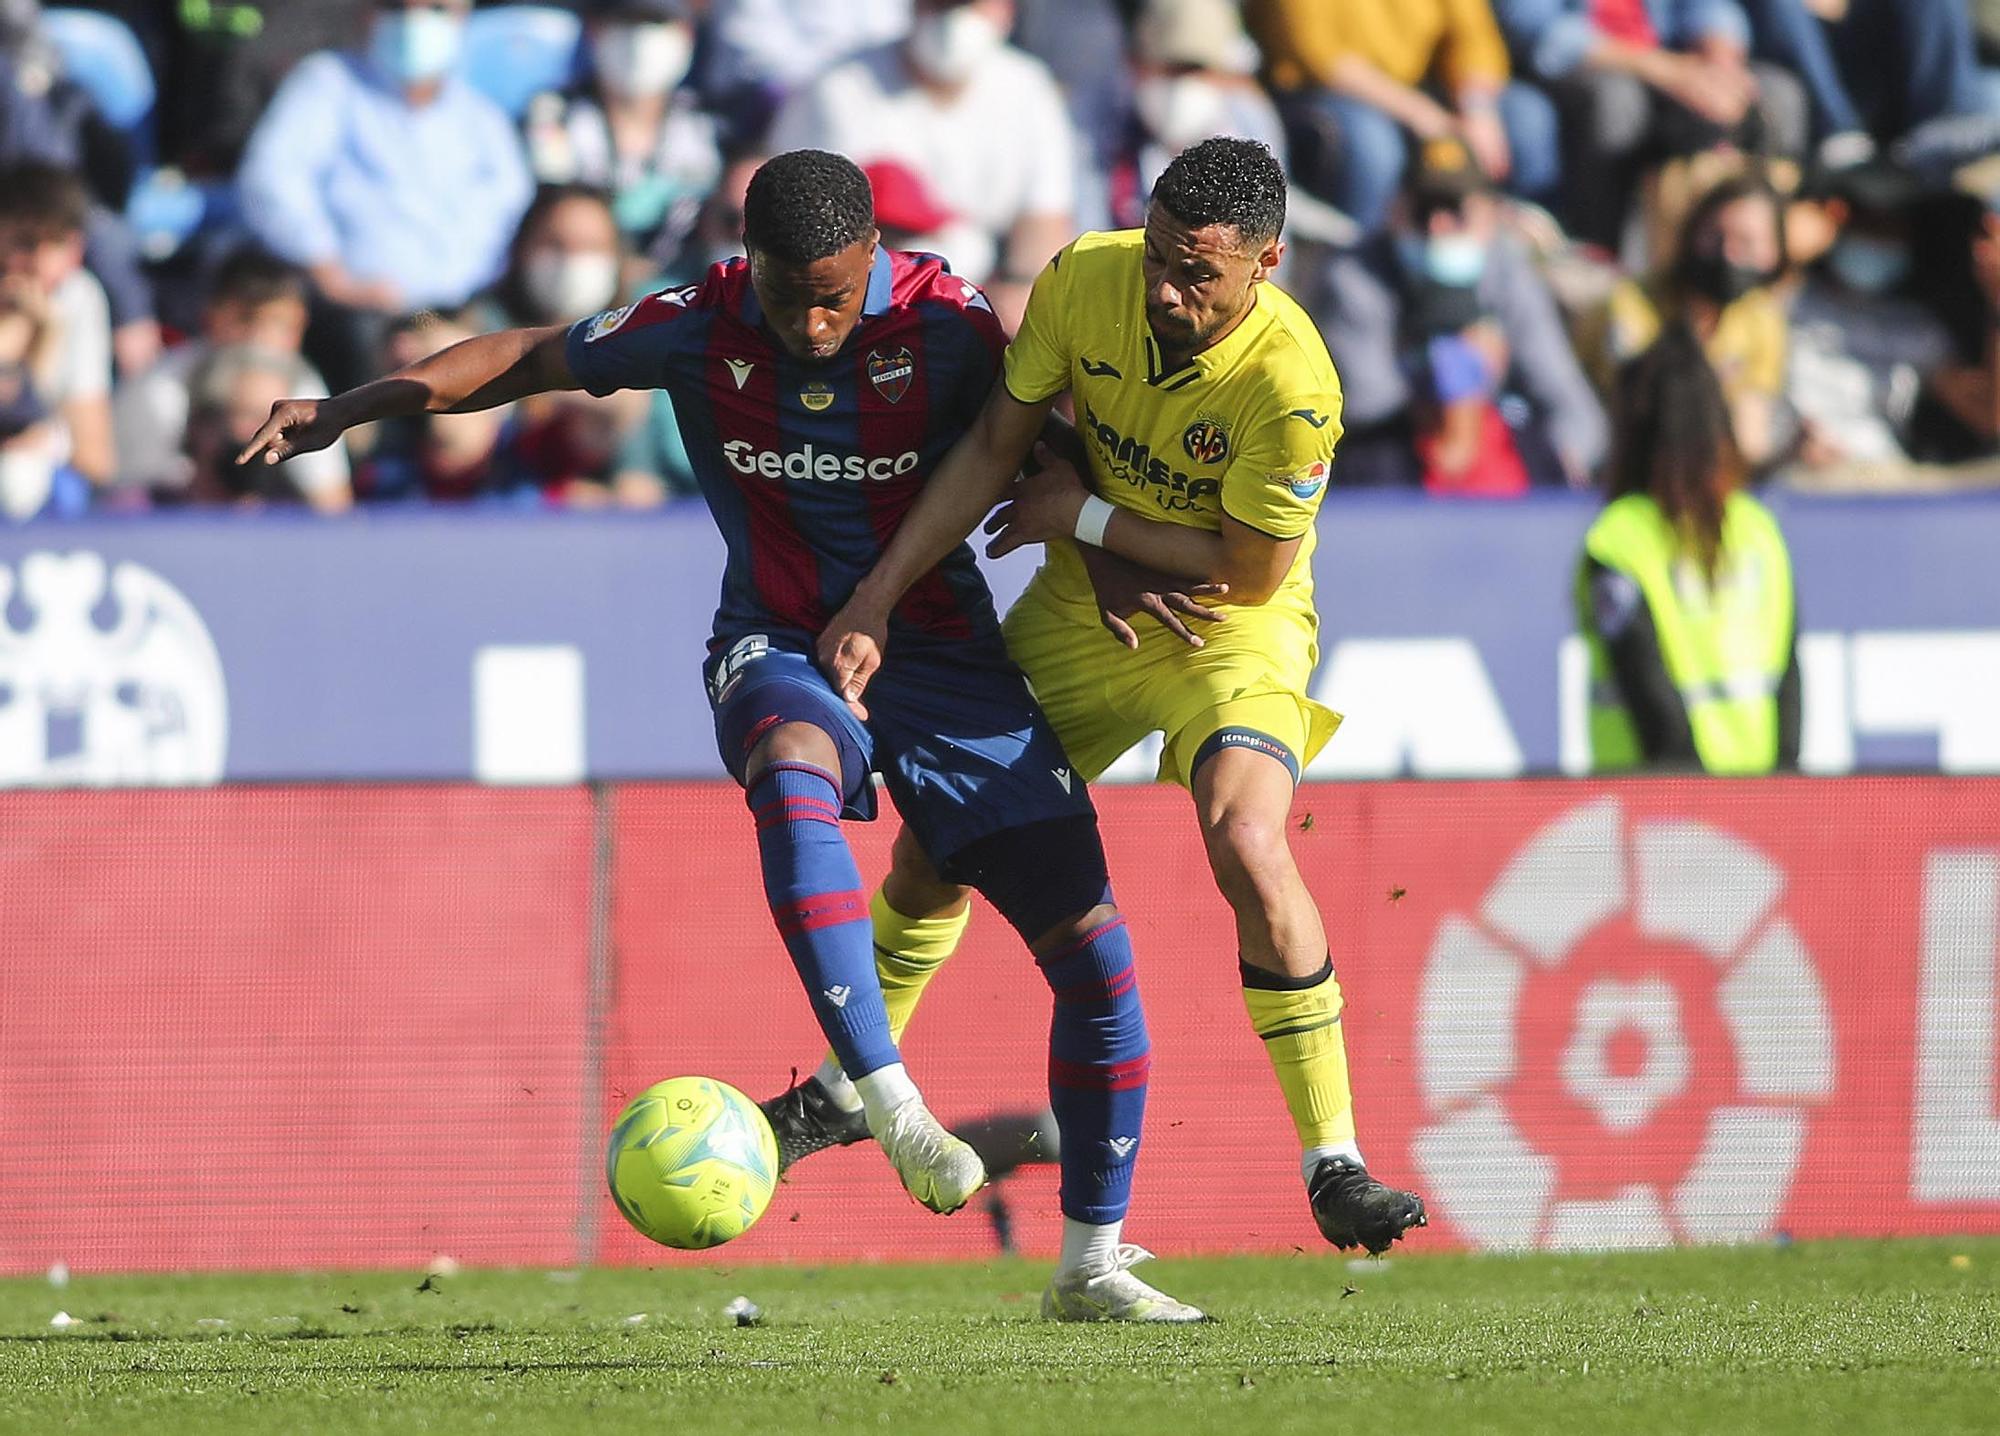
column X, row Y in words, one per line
column 296, row 426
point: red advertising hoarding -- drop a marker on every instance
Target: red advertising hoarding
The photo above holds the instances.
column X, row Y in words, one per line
column 291, row 1027
column 335, row 1027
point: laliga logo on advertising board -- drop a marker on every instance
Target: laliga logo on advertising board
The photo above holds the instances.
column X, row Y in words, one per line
column 1624, row 1045
column 107, row 676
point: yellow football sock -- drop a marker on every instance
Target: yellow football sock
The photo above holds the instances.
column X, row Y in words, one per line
column 1300, row 1026
column 908, row 953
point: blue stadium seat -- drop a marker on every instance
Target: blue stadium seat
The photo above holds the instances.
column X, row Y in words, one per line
column 102, row 55
column 515, row 52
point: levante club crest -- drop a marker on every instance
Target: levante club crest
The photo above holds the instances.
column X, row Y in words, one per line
column 891, row 371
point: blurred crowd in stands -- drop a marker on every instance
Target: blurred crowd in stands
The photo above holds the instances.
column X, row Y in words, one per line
column 206, row 206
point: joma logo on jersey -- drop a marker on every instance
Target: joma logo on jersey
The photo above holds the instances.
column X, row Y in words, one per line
column 810, row 463
column 1134, row 462
column 1206, row 442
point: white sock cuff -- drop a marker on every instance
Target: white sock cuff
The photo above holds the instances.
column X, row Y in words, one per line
column 1313, row 1156
column 884, row 1090
column 1087, row 1246
column 837, row 1086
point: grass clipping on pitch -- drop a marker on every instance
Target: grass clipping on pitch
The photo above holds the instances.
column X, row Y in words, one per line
column 1771, row 1340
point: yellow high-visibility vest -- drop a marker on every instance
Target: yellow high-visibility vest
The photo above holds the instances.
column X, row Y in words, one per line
column 1726, row 645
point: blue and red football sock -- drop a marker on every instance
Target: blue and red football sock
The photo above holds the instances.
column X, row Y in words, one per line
column 1099, row 1061
column 816, row 898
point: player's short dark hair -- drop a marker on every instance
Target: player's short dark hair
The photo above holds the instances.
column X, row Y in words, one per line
column 1226, row 181
column 43, row 197
column 253, row 277
column 805, row 205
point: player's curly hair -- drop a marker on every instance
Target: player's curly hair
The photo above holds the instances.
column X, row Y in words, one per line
column 805, row 205
column 1226, row 181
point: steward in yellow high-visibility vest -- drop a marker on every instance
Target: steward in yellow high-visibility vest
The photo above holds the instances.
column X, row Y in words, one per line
column 1684, row 592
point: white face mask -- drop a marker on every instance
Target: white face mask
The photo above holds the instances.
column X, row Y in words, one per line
column 641, row 62
column 26, row 476
column 569, row 286
column 412, row 47
column 948, row 48
column 1181, row 110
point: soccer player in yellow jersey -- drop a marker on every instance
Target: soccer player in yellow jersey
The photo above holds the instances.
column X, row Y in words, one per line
column 1209, row 410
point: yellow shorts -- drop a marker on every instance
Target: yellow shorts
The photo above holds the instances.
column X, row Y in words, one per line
column 1246, row 686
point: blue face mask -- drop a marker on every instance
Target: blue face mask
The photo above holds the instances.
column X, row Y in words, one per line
column 411, row 47
column 1456, row 261
column 1869, row 266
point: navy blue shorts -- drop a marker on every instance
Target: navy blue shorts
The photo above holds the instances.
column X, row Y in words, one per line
column 955, row 734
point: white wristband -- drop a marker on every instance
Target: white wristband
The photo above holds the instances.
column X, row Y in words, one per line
column 1092, row 519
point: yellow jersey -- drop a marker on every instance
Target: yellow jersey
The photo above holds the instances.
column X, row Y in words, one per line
column 1245, row 428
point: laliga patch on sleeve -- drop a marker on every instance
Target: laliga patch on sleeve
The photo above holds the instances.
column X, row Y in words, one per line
column 1305, row 482
column 608, row 323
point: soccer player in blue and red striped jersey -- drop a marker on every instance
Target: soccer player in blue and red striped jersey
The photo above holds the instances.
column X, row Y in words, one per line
column 817, row 383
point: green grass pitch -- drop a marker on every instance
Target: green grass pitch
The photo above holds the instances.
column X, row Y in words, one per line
column 1903, row 1336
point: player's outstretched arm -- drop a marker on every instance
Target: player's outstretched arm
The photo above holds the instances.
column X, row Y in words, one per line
column 962, row 491
column 479, row 373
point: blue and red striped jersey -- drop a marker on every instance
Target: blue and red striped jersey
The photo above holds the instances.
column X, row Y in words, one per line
column 809, row 466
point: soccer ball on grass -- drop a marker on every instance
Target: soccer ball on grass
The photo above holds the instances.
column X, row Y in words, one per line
column 692, row 1163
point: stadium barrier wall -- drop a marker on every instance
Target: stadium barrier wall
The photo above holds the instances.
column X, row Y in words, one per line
column 452, row 643
column 337, row 1026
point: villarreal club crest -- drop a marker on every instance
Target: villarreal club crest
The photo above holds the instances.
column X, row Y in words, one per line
column 1206, row 441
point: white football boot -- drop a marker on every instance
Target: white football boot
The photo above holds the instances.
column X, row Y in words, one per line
column 1112, row 1293
column 937, row 1168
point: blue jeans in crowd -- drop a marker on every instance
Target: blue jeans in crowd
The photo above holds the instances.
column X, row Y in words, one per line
column 1353, row 155
column 1887, row 67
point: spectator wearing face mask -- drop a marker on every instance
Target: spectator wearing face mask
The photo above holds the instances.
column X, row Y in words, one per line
column 635, row 129
column 1455, row 363
column 1360, row 80
column 1720, row 284
column 1193, row 79
column 255, row 299
column 388, row 178
column 1863, row 345
column 566, row 263
column 982, row 123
